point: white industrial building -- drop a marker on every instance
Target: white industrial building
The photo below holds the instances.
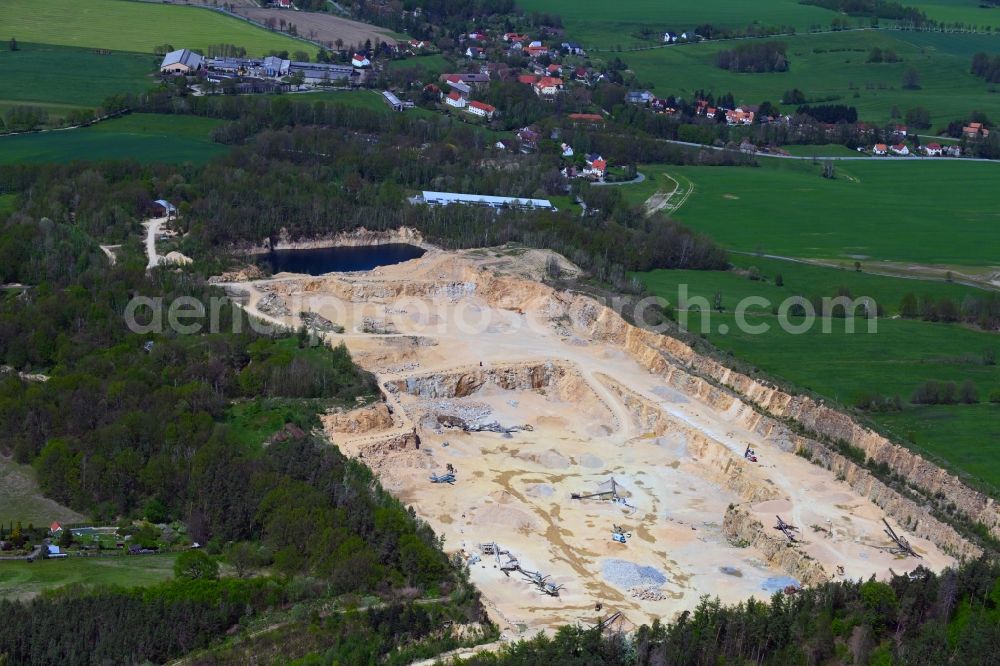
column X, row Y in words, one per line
column 447, row 198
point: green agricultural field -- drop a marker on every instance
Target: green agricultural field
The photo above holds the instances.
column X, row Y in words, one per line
column 894, row 360
column 825, row 150
column 120, row 25
column 609, row 25
column 142, row 137
column 964, row 437
column 826, row 66
column 969, row 12
column 799, row 280
column 21, row 499
column 433, row 64
column 60, row 78
column 20, row 580
column 932, row 212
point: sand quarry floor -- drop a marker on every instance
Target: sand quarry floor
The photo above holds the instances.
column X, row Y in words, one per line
column 448, row 349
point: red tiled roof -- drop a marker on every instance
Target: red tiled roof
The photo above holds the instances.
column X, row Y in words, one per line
column 482, row 106
column 586, row 116
column 454, row 95
column 548, row 81
column 600, row 165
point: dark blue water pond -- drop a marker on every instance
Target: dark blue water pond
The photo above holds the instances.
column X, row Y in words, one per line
column 341, row 259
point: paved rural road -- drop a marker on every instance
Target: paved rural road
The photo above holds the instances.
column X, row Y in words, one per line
column 841, row 158
column 638, row 179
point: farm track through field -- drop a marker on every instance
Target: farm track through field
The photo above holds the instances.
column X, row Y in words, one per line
column 661, row 199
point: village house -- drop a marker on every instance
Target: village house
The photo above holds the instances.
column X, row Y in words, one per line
column 975, row 131
column 475, row 79
column 669, row 37
column 933, row 150
column 478, row 36
column 181, row 61
column 737, row 116
column 458, row 85
column 548, row 86
column 573, row 48
column 880, row 149
column 596, row 168
column 899, row 149
column 536, row 51
column 455, row 99
column 360, row 60
column 567, row 150
column 475, row 52
column 163, row 208
column 952, row 151
column 527, row 79
column 514, row 37
column 481, row 109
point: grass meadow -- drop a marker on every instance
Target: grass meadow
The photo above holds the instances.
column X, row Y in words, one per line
column 20, row 580
column 833, row 67
column 139, row 27
column 433, row 64
column 609, row 25
column 931, row 212
column 969, row 12
column 21, row 499
column 824, row 150
column 143, row 137
column 894, row 360
column 920, row 211
column 59, row 78
column 601, row 25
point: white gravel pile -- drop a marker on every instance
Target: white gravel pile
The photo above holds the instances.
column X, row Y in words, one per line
column 629, row 574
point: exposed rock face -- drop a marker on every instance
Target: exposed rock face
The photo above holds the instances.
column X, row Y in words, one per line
column 688, row 372
column 730, row 470
column 748, row 402
column 740, row 528
column 518, row 377
column 357, row 237
column 378, row 448
column 362, row 420
column 646, row 413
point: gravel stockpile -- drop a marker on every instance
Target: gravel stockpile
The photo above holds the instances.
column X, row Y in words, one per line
column 629, row 574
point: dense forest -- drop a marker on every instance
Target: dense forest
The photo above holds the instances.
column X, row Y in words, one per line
column 312, row 168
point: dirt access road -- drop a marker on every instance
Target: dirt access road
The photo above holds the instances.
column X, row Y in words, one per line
column 463, row 340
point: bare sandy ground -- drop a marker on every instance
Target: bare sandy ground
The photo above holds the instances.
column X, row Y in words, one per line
column 320, row 27
column 470, row 338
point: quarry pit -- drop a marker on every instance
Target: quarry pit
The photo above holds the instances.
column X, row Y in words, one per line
column 533, row 397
